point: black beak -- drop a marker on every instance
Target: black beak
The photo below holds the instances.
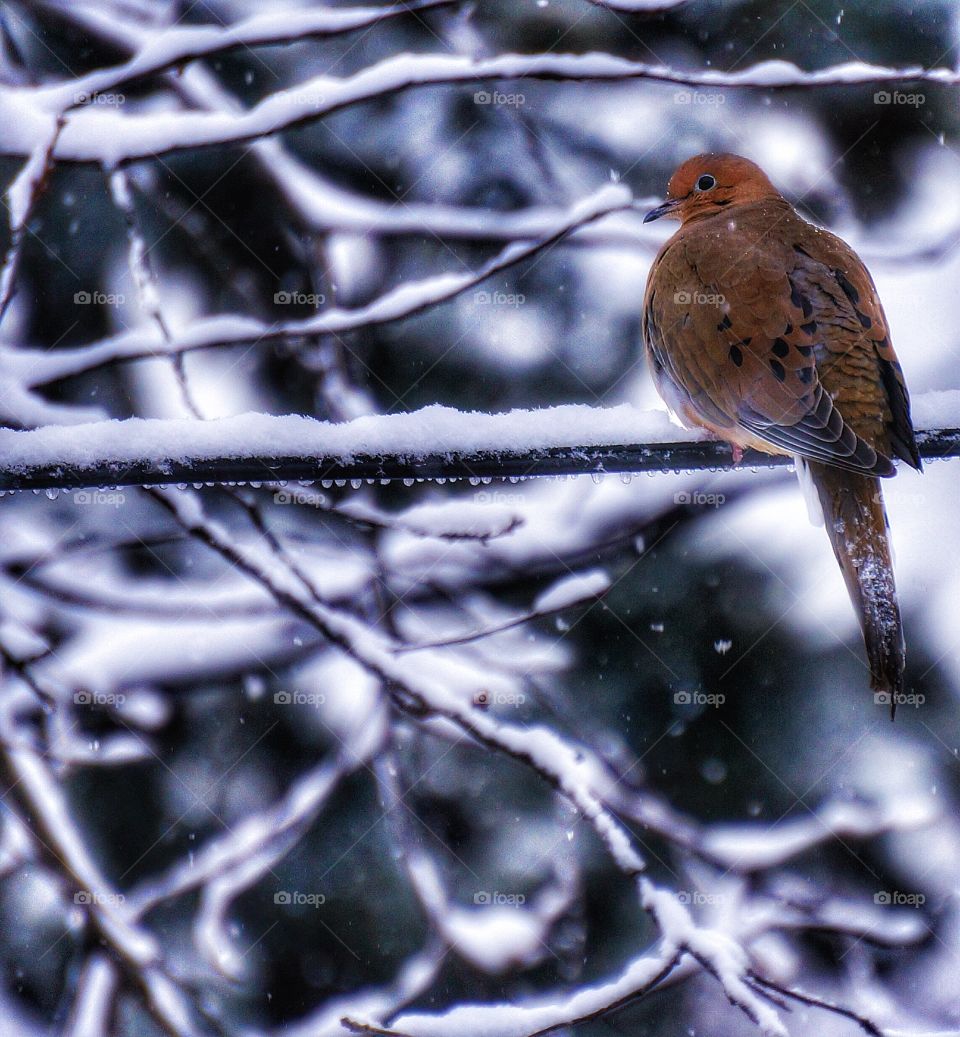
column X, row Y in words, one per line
column 661, row 210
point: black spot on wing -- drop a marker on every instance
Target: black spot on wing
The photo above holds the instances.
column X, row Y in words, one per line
column 810, row 328
column 725, row 323
column 736, row 355
column 778, row 370
column 779, row 347
column 848, row 289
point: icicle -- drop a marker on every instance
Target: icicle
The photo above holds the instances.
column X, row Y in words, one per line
column 52, row 493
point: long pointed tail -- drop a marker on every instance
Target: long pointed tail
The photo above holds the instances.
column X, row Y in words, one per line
column 856, row 523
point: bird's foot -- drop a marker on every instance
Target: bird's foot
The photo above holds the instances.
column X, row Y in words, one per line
column 737, row 452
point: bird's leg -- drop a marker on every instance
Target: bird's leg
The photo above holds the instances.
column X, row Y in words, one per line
column 737, row 452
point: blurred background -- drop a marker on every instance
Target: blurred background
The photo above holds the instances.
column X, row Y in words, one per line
column 720, row 683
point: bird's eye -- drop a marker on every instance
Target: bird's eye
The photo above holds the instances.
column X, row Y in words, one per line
column 706, row 182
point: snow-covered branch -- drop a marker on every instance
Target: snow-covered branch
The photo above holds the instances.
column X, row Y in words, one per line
column 109, row 138
column 433, row 443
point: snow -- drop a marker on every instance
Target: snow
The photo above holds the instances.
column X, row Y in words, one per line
column 759, row 847
column 178, row 44
column 430, row 431
column 938, row 408
column 571, row 590
column 402, row 301
column 109, row 137
column 533, row 1015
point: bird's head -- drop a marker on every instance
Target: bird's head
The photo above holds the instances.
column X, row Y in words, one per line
column 708, row 184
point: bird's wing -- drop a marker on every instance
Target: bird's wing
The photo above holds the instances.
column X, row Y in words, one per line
column 862, row 372
column 760, row 334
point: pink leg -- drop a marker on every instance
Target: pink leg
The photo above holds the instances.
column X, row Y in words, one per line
column 737, row 453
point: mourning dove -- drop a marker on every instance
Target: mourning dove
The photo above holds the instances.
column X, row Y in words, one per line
column 768, row 331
